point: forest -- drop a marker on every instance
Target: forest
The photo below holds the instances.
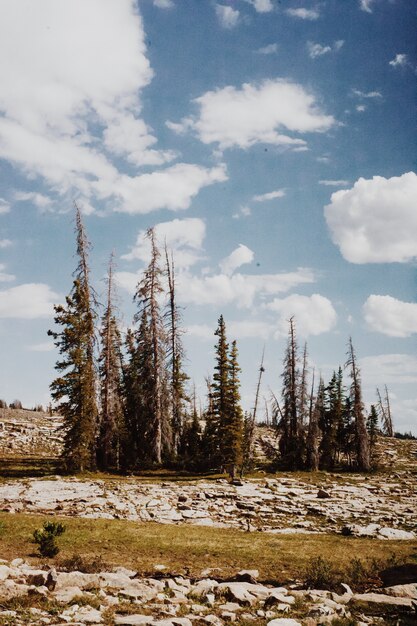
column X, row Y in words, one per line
column 127, row 403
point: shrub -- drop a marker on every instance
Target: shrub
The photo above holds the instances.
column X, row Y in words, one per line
column 88, row 565
column 45, row 538
column 320, row 574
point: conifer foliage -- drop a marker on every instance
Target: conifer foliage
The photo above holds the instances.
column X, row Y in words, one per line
column 75, row 389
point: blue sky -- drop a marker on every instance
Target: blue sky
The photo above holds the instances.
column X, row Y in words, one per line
column 272, row 144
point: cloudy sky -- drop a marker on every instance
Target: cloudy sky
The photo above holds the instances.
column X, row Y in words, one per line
column 272, row 144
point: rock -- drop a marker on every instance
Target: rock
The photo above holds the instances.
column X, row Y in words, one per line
column 228, row 616
column 277, row 597
column 77, row 579
column 379, row 600
column 4, row 572
column 323, row 494
column 67, row 594
column 83, row 615
column 133, row 620
column 247, row 575
column 283, row 621
column 243, row 593
column 395, row 533
column 203, row 588
column 402, row 591
column 37, row 578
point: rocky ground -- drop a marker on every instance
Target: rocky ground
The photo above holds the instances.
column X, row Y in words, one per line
column 24, row 432
column 363, row 506
column 120, row 597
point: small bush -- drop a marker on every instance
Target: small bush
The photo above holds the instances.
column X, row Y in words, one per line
column 320, row 574
column 45, row 538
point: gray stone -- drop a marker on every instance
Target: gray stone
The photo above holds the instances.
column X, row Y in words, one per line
column 402, row 591
column 284, row 621
column 133, row 620
column 379, row 600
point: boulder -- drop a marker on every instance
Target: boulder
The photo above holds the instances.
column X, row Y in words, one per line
column 378, row 601
column 402, row 591
column 395, row 533
column 133, row 620
column 284, row 621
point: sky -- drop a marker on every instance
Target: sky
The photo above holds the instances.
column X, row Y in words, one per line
column 272, row 144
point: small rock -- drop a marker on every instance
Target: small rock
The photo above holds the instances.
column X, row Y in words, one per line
column 323, row 494
column 283, row 621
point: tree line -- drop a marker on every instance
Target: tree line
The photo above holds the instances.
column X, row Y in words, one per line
column 127, row 405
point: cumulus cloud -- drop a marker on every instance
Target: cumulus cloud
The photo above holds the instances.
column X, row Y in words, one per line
column 390, row 316
column 366, row 94
column 304, row 14
column 4, row 206
column 184, row 237
column 316, row 50
column 376, row 220
column 38, row 199
column 279, row 193
column 228, row 16
column 240, row 256
column 28, row 301
column 163, row 4
column 70, row 102
column 172, row 188
column 256, row 113
column 366, row 5
column 5, row 243
column 314, row 314
column 400, row 60
column 244, row 211
column 271, row 48
column 4, row 276
column 389, row 369
column 262, row 6
column 334, row 183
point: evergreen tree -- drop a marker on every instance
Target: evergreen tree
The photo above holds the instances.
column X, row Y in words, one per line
column 292, row 444
column 227, row 418
column 112, row 428
column 361, row 435
column 75, row 389
column 372, row 426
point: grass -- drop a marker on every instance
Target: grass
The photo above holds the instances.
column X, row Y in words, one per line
column 190, row 549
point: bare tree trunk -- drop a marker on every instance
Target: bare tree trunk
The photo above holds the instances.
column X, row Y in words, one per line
column 361, row 434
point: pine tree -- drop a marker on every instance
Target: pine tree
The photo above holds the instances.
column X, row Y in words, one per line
column 112, row 431
column 75, row 389
column 292, row 444
column 227, row 415
column 148, row 374
column 372, row 426
column 363, row 462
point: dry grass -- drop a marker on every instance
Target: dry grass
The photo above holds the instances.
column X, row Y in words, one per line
column 190, row 549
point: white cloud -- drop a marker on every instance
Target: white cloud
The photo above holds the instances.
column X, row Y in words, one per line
column 38, row 199
column 313, row 315
column 334, row 183
column 256, row 113
column 376, row 220
column 46, row 346
column 389, row 369
column 366, row 94
column 4, row 206
column 4, row 277
column 271, row 48
column 366, row 5
column 163, row 4
column 242, row 329
column 5, row 243
column 279, row 193
column 239, row 289
column 227, row 16
column 172, row 188
column 72, row 110
column 400, row 60
column 262, row 6
column 390, row 316
column 27, row 301
column 304, row 14
column 360, row 108
column 317, row 50
column 244, row 211
column 184, row 237
column 240, row 256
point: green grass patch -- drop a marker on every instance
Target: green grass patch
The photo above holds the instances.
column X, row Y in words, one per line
column 189, row 549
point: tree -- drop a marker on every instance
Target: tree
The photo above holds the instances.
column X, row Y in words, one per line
column 149, row 374
column 292, row 442
column 384, row 409
column 75, row 389
column 112, row 429
column 177, row 377
column 313, row 434
column 227, row 417
column 363, row 462
column 372, row 426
